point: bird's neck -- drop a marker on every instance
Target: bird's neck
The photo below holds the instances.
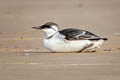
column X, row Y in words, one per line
column 50, row 34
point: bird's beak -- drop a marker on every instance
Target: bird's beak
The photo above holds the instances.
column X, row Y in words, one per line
column 36, row 27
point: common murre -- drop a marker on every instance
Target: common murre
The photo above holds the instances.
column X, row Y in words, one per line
column 69, row 40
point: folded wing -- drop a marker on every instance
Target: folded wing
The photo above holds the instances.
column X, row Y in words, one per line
column 77, row 34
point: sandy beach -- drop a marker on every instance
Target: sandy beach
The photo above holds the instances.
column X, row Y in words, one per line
column 24, row 57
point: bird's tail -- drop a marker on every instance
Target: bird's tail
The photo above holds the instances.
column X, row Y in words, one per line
column 99, row 39
column 104, row 39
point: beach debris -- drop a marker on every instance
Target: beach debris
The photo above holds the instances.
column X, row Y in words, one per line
column 28, row 50
column 116, row 33
column 80, row 5
column 27, row 54
column 2, row 32
column 21, row 37
column 37, row 49
column 108, row 50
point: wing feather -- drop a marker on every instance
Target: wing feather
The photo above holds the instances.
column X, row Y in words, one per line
column 77, row 34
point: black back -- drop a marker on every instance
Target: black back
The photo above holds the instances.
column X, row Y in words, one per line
column 77, row 34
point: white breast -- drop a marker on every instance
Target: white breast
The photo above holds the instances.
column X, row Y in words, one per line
column 59, row 44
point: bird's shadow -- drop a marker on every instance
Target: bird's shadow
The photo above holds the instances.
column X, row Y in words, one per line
column 45, row 52
column 39, row 52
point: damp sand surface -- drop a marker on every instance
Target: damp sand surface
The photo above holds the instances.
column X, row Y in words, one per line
column 24, row 57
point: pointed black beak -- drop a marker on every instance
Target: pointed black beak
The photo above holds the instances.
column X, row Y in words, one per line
column 36, row 27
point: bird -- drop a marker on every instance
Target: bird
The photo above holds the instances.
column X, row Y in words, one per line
column 70, row 39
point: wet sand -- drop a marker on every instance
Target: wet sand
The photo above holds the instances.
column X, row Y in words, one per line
column 23, row 56
column 49, row 66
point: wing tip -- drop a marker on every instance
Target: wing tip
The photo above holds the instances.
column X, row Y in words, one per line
column 99, row 39
column 105, row 39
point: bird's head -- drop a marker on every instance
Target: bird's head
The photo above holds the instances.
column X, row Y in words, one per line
column 50, row 28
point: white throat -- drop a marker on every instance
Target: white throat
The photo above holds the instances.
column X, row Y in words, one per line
column 51, row 31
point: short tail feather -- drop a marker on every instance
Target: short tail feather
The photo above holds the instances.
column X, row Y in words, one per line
column 105, row 39
column 99, row 39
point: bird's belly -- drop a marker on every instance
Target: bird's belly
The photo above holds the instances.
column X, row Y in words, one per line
column 66, row 46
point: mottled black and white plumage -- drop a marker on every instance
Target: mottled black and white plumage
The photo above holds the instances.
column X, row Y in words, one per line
column 77, row 34
column 69, row 40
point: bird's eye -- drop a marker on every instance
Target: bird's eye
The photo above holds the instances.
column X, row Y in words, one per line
column 45, row 26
